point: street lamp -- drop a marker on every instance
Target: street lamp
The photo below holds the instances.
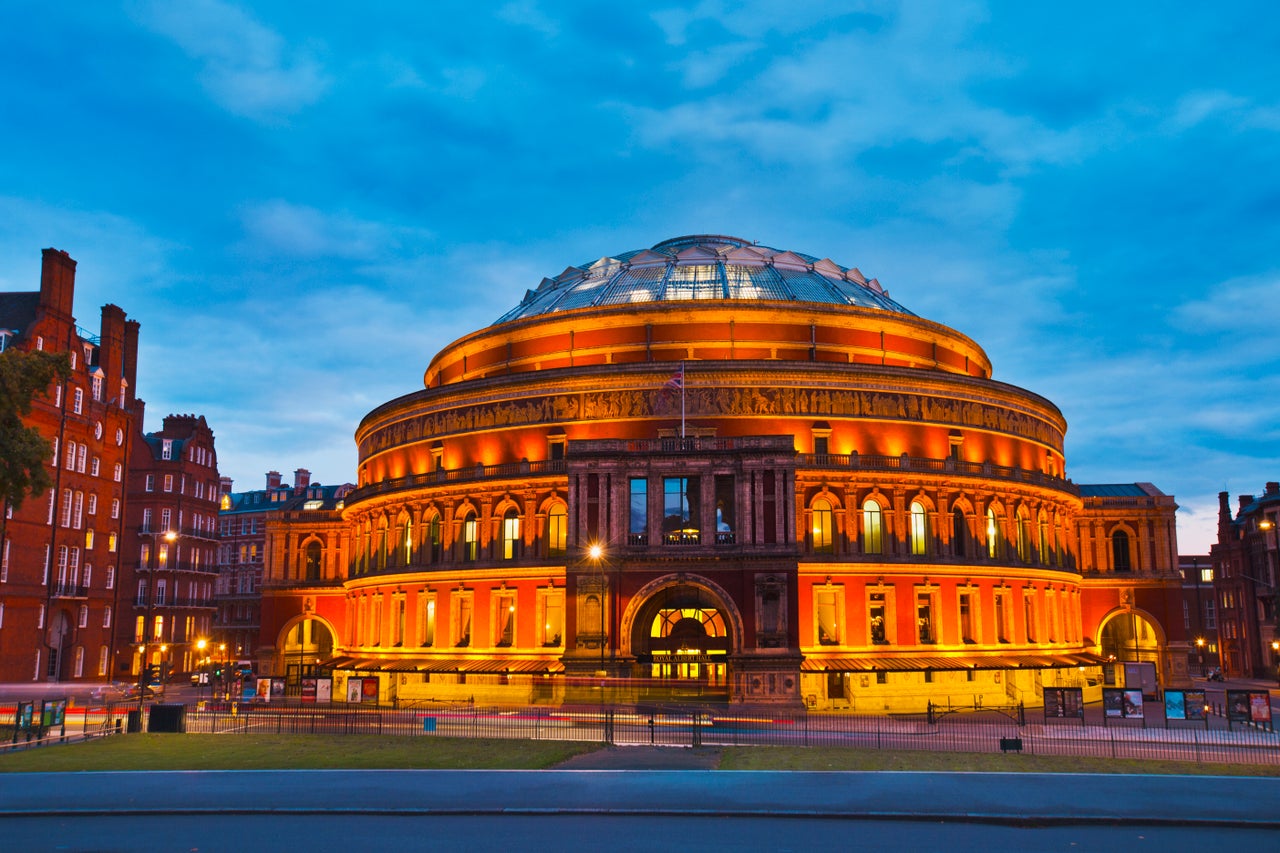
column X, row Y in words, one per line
column 202, row 662
column 144, row 668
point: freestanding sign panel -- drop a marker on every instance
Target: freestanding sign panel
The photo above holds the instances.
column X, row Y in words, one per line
column 1122, row 703
column 308, row 689
column 1238, row 706
column 1063, row 703
column 324, row 690
column 355, row 687
column 1175, row 705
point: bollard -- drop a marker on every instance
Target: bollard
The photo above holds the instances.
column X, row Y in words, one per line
column 651, row 730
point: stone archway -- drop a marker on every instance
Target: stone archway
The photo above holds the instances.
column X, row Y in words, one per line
column 682, row 631
column 1131, row 635
column 304, row 642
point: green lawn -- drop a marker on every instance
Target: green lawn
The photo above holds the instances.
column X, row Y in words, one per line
column 357, row 752
column 816, row 758
column 291, row 752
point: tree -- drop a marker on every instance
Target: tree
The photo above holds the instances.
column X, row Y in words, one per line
column 23, row 451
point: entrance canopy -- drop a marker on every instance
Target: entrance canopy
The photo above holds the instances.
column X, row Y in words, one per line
column 874, row 663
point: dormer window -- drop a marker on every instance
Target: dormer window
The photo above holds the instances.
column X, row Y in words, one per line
column 166, row 449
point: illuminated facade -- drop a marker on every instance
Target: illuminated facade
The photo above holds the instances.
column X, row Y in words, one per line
column 1246, row 571
column 714, row 469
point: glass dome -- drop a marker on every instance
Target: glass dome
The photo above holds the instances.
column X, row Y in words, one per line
column 703, row 267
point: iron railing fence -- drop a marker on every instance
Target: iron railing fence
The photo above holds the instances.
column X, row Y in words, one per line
column 685, row 727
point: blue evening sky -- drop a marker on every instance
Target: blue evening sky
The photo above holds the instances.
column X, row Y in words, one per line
column 301, row 203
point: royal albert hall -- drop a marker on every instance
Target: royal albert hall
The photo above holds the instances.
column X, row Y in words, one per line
column 717, row 471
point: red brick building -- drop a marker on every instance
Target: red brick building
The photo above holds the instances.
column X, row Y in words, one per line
column 170, row 563
column 1246, row 566
column 59, row 575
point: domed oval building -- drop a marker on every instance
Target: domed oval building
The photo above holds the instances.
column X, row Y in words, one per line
column 716, row 470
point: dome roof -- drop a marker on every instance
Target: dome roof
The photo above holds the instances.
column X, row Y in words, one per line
column 703, row 267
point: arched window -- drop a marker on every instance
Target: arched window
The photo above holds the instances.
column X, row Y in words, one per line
column 382, row 543
column 995, row 541
column 470, row 538
column 557, row 529
column 511, row 535
column 919, row 530
column 1120, row 552
column 1023, row 541
column 959, row 533
column 1044, row 556
column 407, row 542
column 433, row 536
column 872, row 528
column 311, row 562
column 822, row 527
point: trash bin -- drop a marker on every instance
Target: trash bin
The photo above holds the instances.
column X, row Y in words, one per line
column 135, row 722
column 167, row 718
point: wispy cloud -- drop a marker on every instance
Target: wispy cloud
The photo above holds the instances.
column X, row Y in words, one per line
column 246, row 67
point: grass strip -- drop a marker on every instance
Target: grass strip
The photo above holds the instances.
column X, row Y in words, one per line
column 291, row 752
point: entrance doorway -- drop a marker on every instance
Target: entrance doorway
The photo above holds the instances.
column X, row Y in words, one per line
column 1130, row 637
column 681, row 641
column 306, row 644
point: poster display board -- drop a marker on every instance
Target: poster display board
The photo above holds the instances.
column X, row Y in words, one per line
column 324, row 690
column 1122, row 703
column 355, row 689
column 1064, row 703
column 1185, row 705
column 308, row 692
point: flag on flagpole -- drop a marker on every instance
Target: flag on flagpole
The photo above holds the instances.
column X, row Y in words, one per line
column 676, row 382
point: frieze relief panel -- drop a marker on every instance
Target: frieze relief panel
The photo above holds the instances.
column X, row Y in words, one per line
column 709, row 402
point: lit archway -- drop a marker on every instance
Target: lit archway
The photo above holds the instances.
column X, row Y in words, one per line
column 682, row 630
column 304, row 643
column 1129, row 635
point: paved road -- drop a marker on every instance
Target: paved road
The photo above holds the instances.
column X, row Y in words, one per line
column 614, row 834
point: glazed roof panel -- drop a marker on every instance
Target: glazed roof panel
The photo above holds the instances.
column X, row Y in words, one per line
column 703, row 267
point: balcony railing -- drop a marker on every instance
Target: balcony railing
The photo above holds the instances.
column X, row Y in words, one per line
column 988, row 470
column 541, row 468
column 70, row 590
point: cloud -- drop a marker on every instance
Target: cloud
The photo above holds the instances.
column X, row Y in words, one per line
column 1240, row 113
column 246, row 68
column 280, row 228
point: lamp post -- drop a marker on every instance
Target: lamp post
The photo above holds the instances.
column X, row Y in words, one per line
column 595, row 553
column 144, row 667
column 222, row 647
column 202, row 662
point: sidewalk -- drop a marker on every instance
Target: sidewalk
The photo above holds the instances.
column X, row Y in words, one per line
column 1016, row 799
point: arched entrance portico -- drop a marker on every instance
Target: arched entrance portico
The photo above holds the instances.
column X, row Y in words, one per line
column 682, row 631
column 303, row 643
column 1131, row 635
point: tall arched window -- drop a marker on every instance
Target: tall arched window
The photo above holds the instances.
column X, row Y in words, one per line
column 822, row 527
column 1044, row 555
column 311, row 568
column 557, row 529
column 872, row 528
column 995, row 543
column 511, row 534
column 1120, row 552
column 959, row 533
column 470, row 538
column 380, row 558
column 407, row 541
column 1023, row 540
column 433, row 536
column 919, row 530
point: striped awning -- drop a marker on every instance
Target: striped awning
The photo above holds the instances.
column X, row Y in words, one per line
column 893, row 663
column 489, row 665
